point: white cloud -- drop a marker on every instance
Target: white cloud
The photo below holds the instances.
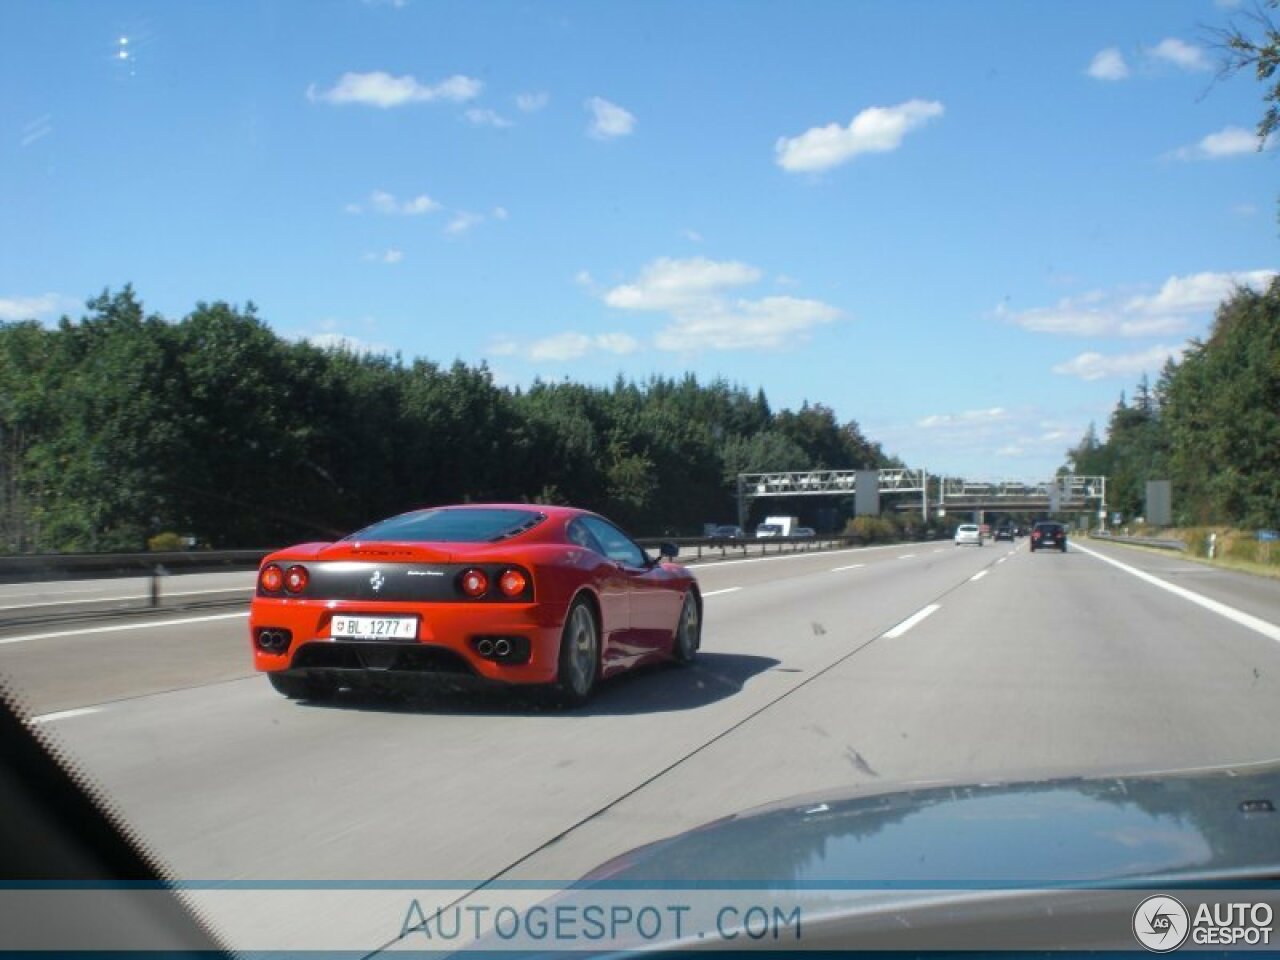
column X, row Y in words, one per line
column 390, row 255
column 1197, row 292
column 1227, row 142
column 763, row 324
column 499, row 213
column 1185, row 56
column 608, row 120
column 694, row 291
column 1180, row 300
column 874, row 130
column 502, row 347
column 381, row 89
column 484, row 117
column 1244, row 210
column 573, row 346
column 382, row 202
column 343, row 343
column 1108, row 64
column 1097, row 366
column 669, row 284
column 34, row 308
column 532, row 102
column 989, row 415
column 36, row 130
column 583, row 278
column 462, row 222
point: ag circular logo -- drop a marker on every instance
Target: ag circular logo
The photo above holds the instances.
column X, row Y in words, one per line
column 1161, row 923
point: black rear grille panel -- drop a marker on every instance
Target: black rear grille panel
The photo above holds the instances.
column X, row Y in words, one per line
column 364, row 655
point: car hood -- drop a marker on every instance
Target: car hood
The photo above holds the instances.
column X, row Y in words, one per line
column 1110, row 831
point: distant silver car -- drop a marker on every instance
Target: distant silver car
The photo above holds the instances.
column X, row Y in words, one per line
column 768, row 530
column 968, row 533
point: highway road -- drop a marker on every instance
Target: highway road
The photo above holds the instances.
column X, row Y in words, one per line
column 856, row 670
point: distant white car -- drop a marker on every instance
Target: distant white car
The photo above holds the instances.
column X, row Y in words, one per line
column 968, row 533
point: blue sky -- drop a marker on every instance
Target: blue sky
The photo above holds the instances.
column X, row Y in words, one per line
column 968, row 226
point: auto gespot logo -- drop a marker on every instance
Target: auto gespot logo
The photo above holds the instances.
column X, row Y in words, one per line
column 1162, row 924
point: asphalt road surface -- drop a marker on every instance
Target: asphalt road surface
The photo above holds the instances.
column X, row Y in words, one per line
column 858, row 670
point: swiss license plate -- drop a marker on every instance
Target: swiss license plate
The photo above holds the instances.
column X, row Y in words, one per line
column 374, row 628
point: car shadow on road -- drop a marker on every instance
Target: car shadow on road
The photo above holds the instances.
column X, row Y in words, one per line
column 662, row 688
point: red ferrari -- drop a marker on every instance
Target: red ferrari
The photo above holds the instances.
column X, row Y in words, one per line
column 516, row 594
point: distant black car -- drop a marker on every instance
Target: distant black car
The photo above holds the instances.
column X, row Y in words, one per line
column 728, row 532
column 1004, row 533
column 1048, row 536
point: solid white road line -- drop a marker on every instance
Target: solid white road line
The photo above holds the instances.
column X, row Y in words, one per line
column 64, row 714
column 911, row 621
column 979, row 575
column 713, row 593
column 1264, row 627
column 850, row 566
column 906, row 556
column 124, row 626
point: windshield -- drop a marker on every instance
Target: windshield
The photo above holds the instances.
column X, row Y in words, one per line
column 450, row 526
column 818, row 399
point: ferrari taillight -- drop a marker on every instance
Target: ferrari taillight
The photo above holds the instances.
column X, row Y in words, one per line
column 295, row 579
column 474, row 583
column 271, row 579
column 512, row 583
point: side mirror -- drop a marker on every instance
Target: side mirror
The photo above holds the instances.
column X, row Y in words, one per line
column 668, row 550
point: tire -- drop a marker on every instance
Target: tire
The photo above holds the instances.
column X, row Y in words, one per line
column 300, row 686
column 688, row 636
column 578, row 671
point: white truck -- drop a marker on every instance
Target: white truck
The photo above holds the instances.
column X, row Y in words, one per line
column 778, row 527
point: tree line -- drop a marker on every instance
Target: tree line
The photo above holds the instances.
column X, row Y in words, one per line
column 1210, row 424
column 122, row 425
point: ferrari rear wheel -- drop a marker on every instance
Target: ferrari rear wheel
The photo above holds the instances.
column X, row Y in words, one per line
column 579, row 656
column 688, row 636
column 301, row 686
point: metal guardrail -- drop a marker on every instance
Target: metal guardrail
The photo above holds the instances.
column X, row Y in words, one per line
column 1157, row 542
column 68, row 565
column 58, row 566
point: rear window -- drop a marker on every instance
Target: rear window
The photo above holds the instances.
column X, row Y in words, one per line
column 969, row 528
column 451, row 526
column 1049, row 527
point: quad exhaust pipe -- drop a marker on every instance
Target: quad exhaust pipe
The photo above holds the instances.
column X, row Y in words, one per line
column 502, row 649
column 274, row 640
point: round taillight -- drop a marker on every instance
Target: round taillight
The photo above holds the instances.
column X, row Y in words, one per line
column 475, row 583
column 512, row 583
column 295, row 579
column 271, row 579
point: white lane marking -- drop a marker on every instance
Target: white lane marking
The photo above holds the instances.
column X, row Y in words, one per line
column 1264, row 627
column 979, row 575
column 939, row 551
column 713, row 593
column 120, row 627
column 131, row 596
column 849, row 566
column 906, row 556
column 911, row 621
column 1002, row 560
column 810, row 554
column 64, row 714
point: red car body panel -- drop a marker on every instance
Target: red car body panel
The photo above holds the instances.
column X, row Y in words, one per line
column 638, row 609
